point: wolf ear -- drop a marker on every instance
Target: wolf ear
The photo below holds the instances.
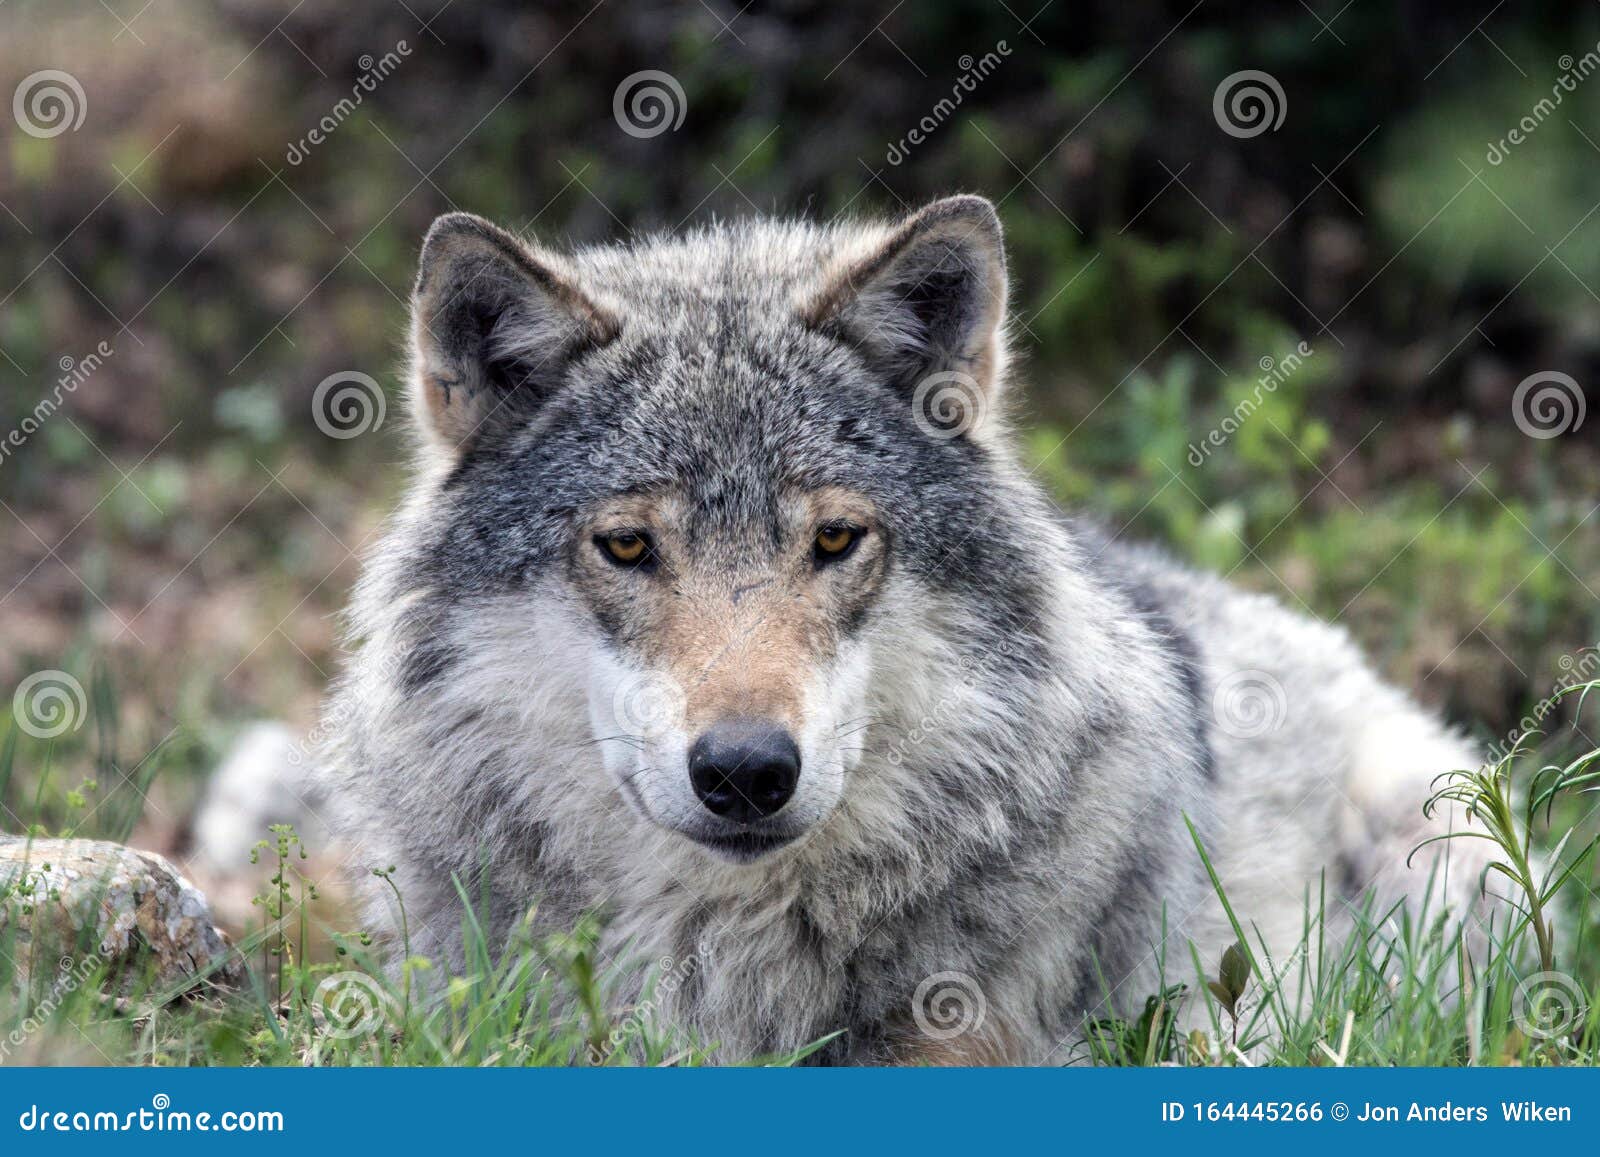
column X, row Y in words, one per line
column 493, row 325
column 928, row 299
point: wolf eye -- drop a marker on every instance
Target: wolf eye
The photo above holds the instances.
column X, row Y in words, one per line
column 834, row 542
column 626, row 547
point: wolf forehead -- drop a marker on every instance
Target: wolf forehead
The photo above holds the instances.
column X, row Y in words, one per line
column 731, row 367
column 725, row 440
column 714, row 375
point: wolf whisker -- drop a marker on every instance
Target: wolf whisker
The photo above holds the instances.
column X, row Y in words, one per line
column 637, row 742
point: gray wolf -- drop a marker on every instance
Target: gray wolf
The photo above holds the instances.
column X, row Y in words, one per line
column 722, row 603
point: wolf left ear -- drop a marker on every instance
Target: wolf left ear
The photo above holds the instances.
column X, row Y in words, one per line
column 493, row 325
column 929, row 298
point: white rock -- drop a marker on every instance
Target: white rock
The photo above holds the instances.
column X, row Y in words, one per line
column 130, row 908
column 265, row 779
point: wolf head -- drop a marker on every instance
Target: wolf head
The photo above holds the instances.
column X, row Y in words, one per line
column 701, row 497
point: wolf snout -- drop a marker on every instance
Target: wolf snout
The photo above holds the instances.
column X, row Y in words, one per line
column 744, row 769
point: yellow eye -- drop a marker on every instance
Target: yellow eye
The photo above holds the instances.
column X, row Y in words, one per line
column 626, row 547
column 835, row 541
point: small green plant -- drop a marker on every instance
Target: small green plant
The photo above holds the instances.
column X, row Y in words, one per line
column 1150, row 1038
column 1489, row 799
column 277, row 900
column 1233, row 977
column 1421, row 988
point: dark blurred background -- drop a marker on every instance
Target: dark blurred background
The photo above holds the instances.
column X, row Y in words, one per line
column 179, row 534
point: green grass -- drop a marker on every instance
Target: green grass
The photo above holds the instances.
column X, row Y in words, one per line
column 1408, row 987
column 537, row 1001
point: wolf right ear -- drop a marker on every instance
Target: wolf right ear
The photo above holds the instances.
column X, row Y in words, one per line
column 929, row 298
column 493, row 324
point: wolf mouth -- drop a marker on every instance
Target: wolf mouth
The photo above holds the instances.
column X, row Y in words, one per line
column 742, row 847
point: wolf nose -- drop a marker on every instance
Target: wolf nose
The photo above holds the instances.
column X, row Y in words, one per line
column 744, row 769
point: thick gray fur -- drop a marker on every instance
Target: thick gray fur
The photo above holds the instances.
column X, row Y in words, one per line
column 1009, row 732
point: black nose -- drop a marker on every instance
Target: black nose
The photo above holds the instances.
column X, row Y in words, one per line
column 744, row 769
